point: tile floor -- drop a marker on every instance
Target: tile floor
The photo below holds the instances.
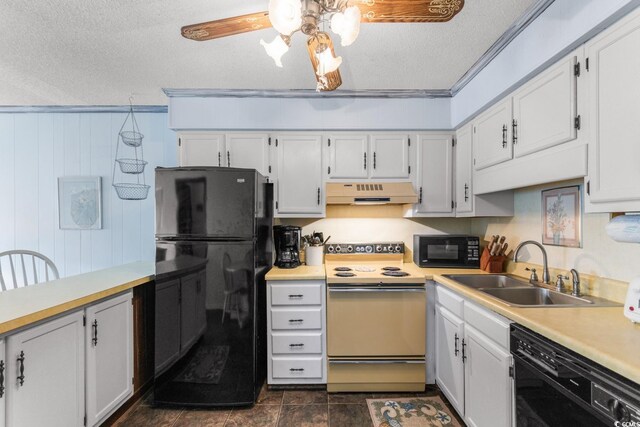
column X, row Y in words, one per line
column 275, row 408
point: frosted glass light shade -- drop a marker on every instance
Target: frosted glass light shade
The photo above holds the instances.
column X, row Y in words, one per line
column 329, row 80
column 347, row 25
column 327, row 63
column 285, row 15
column 276, row 49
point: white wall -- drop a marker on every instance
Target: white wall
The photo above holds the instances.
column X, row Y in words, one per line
column 599, row 255
column 37, row 148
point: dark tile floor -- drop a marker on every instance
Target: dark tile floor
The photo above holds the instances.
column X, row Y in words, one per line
column 275, row 408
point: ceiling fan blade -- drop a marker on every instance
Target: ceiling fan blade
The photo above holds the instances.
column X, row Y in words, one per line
column 227, row 27
column 408, row 10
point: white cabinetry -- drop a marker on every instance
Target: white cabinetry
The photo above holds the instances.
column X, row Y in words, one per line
column 3, row 383
column 299, row 187
column 296, row 325
column 45, row 374
column 390, row 156
column 109, row 353
column 434, row 175
column 492, row 135
column 614, row 114
column 249, row 151
column 348, row 156
column 472, row 350
column 200, row 149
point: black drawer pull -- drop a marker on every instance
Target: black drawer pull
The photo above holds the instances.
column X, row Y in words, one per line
column 21, row 362
column 95, row 333
column 296, row 369
column 296, row 345
column 296, row 320
column 296, row 296
column 1, row 378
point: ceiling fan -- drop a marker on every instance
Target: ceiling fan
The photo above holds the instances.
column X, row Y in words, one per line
column 306, row 16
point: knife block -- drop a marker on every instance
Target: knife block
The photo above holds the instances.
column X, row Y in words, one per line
column 491, row 264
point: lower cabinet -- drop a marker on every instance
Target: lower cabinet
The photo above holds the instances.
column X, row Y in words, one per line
column 109, row 353
column 473, row 362
column 45, row 374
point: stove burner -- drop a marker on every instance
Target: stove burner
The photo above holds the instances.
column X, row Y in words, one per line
column 345, row 274
column 342, row 269
column 395, row 273
column 391, row 268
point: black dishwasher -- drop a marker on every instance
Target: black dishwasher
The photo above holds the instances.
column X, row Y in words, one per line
column 557, row 387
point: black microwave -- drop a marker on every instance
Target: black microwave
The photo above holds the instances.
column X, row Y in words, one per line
column 446, row 251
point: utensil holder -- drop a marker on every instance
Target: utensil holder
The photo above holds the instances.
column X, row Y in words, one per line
column 492, row 264
column 314, row 255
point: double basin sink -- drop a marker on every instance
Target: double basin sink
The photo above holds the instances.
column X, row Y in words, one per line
column 520, row 293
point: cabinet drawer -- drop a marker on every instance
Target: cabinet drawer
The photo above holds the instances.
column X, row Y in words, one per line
column 296, row 344
column 296, row 294
column 492, row 325
column 310, row 318
column 450, row 301
column 310, row 367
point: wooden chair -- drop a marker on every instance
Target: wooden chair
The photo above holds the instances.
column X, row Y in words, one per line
column 23, row 268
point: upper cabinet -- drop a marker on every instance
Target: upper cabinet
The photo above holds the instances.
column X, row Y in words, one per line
column 614, row 114
column 544, row 110
column 434, row 175
column 250, row 151
column 299, row 185
column 200, row 149
column 348, row 156
column 492, row 131
column 390, row 156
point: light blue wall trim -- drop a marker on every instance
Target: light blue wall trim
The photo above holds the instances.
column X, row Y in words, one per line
column 83, row 109
column 305, row 93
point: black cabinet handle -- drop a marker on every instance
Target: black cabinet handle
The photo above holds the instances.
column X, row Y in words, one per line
column 318, row 196
column 21, row 364
column 296, row 320
column 298, row 296
column 95, row 333
column 219, row 159
column 228, row 159
column 514, row 135
column 1, row 378
column 374, row 159
column 297, row 369
column 464, row 356
column 296, row 345
column 365, row 161
column 455, row 345
column 504, row 136
column 466, row 192
column 420, row 197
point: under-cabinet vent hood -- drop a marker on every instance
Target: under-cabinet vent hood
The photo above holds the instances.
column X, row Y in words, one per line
column 371, row 193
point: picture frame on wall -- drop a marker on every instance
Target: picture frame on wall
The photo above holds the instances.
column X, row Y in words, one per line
column 562, row 216
column 80, row 202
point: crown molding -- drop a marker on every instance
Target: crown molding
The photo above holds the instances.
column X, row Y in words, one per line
column 83, row 109
column 306, row 93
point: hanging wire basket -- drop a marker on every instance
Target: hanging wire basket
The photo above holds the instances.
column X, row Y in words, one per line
column 132, row 191
column 131, row 138
column 131, row 166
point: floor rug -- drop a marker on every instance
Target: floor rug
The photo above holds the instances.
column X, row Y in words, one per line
column 410, row 412
column 206, row 365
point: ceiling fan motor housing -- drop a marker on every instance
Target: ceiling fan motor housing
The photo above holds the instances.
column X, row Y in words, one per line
column 311, row 11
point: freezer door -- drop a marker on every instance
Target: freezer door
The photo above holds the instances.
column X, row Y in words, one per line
column 207, row 203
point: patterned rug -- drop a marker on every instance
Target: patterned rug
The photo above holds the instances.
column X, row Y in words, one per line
column 410, row 412
column 206, row 365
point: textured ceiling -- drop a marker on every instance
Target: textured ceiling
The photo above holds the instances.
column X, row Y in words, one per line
column 98, row 52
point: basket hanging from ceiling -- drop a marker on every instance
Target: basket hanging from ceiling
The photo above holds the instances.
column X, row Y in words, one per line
column 133, row 165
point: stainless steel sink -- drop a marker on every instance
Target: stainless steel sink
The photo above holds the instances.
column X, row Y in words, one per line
column 534, row 296
column 488, row 281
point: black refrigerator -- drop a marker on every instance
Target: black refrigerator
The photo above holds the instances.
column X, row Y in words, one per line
column 213, row 249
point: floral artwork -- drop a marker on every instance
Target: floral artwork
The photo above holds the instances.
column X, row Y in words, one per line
column 79, row 203
column 562, row 217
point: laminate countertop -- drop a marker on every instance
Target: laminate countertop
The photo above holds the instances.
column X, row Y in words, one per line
column 303, row 272
column 601, row 334
column 24, row 306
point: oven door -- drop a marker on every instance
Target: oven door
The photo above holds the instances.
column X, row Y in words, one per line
column 543, row 402
column 376, row 321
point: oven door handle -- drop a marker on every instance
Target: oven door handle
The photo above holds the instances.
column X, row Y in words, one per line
column 394, row 289
column 376, row 362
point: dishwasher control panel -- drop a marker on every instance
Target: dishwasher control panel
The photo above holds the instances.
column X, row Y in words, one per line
column 613, row 406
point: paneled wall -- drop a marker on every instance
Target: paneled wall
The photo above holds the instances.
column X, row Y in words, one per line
column 37, row 148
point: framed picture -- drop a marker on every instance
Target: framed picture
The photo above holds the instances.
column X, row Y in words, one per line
column 79, row 202
column 562, row 217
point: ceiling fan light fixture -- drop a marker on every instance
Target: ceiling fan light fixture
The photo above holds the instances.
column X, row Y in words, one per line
column 327, row 61
column 347, row 25
column 277, row 48
column 285, row 15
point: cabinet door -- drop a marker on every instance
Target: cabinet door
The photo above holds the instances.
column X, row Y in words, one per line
column 250, row 151
column 614, row 113
column 201, row 149
column 109, row 352
column 492, row 136
column 449, row 365
column 435, row 174
column 3, row 383
column 299, row 186
column 486, row 363
column 45, row 374
column 464, row 160
column 347, row 156
column 167, row 346
column 190, row 326
column 390, row 156
column 544, row 110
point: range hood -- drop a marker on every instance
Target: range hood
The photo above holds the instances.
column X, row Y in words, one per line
column 383, row 193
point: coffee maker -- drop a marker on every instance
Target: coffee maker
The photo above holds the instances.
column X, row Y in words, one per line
column 287, row 241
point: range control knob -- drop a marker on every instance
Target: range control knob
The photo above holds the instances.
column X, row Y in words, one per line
column 368, row 249
column 398, row 249
column 330, row 248
column 349, row 248
column 338, row 248
column 378, row 248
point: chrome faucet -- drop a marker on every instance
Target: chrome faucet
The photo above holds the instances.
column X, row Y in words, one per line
column 576, row 282
column 545, row 265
